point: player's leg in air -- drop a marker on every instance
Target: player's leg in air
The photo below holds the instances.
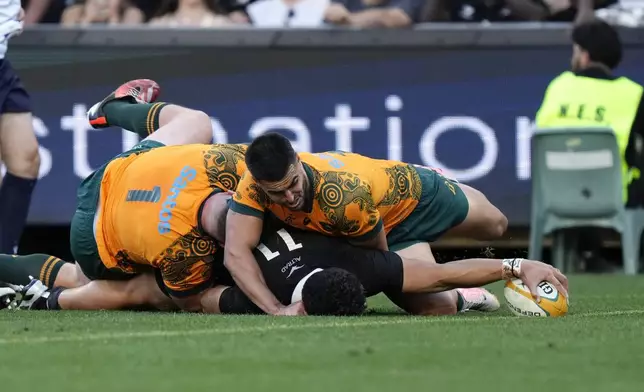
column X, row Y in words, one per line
column 482, row 221
column 445, row 206
column 19, row 150
column 132, row 107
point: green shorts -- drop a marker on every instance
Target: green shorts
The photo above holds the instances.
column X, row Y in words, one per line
column 82, row 240
column 442, row 206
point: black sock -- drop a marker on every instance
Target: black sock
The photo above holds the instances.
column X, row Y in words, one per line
column 18, row 269
column 48, row 301
column 52, row 300
column 15, row 197
column 140, row 118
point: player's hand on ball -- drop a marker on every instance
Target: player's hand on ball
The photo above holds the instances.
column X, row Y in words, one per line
column 534, row 272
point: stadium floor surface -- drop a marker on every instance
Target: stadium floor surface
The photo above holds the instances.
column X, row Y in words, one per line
column 599, row 346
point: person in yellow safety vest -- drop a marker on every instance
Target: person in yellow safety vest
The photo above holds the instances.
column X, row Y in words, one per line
column 591, row 95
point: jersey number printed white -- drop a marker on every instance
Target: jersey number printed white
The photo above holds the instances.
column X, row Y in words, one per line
column 288, row 240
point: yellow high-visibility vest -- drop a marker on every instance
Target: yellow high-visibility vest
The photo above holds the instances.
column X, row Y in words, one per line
column 578, row 101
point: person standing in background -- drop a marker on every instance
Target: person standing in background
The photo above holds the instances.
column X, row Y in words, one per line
column 591, row 95
column 18, row 144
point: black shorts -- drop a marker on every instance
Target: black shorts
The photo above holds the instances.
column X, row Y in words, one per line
column 13, row 96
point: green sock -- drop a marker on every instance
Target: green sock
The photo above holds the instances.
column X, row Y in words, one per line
column 140, row 118
column 17, row 269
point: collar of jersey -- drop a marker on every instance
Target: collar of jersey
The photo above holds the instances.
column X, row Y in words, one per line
column 297, row 291
column 596, row 73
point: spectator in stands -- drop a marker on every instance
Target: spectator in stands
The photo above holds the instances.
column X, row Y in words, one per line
column 509, row 10
column 374, row 13
column 190, row 13
column 43, row 11
column 111, row 12
column 287, row 13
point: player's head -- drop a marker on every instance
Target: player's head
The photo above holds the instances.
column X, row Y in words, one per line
column 333, row 292
column 278, row 170
column 595, row 42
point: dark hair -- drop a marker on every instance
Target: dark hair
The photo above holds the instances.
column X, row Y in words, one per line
column 333, row 292
column 600, row 40
column 269, row 156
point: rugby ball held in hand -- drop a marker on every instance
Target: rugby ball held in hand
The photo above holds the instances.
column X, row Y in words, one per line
column 521, row 303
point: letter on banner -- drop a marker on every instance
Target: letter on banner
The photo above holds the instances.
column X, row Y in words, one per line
column 77, row 123
column 490, row 146
column 344, row 124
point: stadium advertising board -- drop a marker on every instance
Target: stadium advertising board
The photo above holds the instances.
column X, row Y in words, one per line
column 467, row 111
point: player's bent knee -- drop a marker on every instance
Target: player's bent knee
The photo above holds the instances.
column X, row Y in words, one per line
column 497, row 224
column 484, row 221
column 201, row 126
column 195, row 122
column 69, row 277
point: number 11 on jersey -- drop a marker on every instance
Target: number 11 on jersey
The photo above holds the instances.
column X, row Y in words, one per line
column 288, row 240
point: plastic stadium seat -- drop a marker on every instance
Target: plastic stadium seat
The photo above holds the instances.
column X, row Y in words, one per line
column 576, row 182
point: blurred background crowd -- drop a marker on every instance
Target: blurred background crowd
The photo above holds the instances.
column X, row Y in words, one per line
column 318, row 13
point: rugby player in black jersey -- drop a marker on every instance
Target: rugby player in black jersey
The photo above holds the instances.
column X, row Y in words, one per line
column 327, row 275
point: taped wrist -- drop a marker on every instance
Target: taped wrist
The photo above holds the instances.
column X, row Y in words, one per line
column 511, row 268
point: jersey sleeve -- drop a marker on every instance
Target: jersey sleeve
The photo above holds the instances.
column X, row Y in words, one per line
column 187, row 265
column 249, row 198
column 378, row 271
column 186, row 277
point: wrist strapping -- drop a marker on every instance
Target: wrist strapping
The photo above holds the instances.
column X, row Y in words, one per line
column 511, row 269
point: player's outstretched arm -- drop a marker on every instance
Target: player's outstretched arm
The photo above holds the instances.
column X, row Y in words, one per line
column 420, row 276
column 243, row 233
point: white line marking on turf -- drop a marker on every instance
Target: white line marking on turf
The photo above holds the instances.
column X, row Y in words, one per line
column 290, row 327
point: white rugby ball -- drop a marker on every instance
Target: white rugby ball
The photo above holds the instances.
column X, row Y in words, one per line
column 521, row 303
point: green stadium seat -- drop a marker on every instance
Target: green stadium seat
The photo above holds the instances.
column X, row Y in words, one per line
column 576, row 182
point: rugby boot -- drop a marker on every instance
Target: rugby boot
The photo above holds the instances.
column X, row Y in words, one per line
column 137, row 91
column 34, row 296
column 8, row 298
column 479, row 299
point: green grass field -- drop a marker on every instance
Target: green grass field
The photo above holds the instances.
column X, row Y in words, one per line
column 599, row 346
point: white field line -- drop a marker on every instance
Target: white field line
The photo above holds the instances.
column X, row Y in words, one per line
column 267, row 328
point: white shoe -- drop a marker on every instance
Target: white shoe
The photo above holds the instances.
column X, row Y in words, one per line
column 479, row 299
column 8, row 298
column 34, row 295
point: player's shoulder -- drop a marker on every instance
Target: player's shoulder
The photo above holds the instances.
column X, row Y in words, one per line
column 249, row 189
column 229, row 148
